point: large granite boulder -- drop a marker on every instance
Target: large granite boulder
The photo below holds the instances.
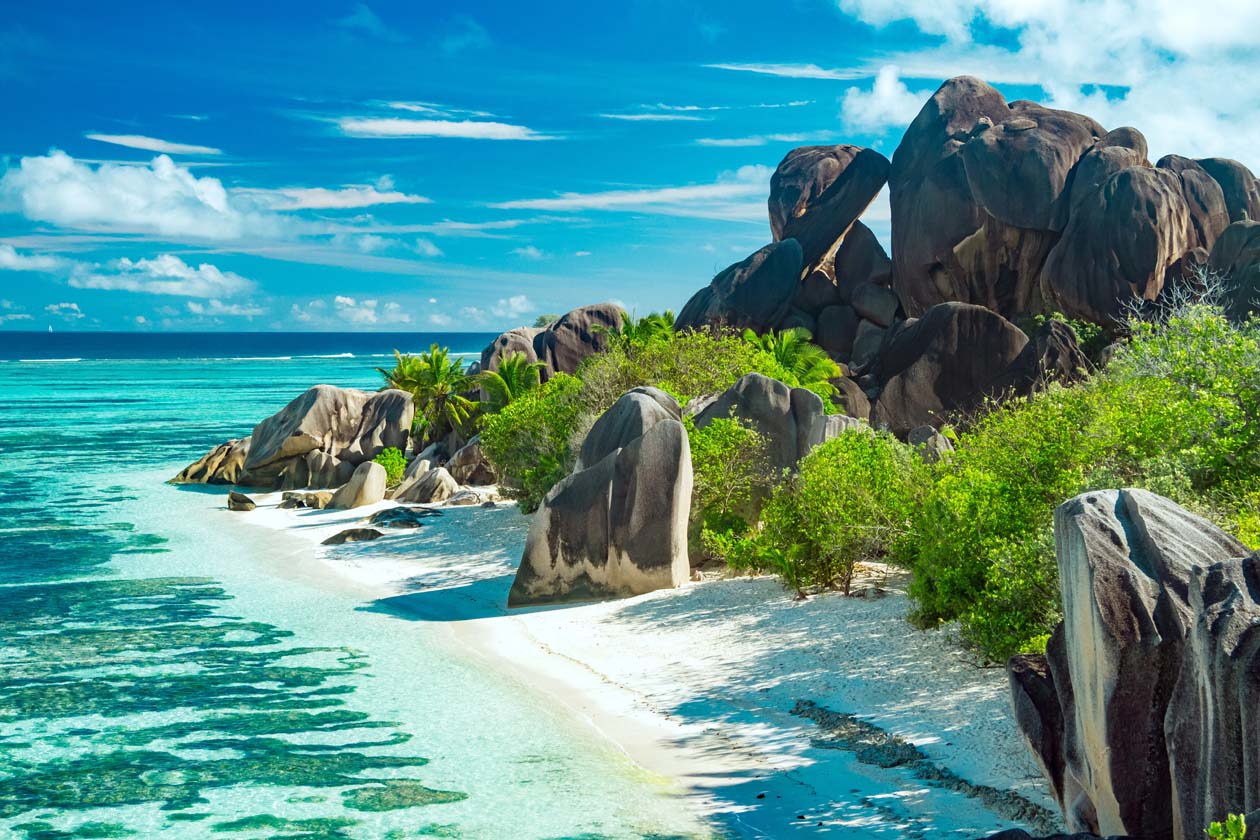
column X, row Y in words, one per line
column 860, row 259
column 221, row 465
column 818, row 192
column 791, row 419
column 365, row 487
column 1240, row 187
column 469, row 464
column 525, row 340
column 616, row 526
column 946, row 362
column 1235, row 258
column 753, row 294
column 574, row 336
column 1145, row 710
column 436, row 485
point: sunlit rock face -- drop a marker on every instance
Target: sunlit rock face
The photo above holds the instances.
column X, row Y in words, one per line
column 1145, row 710
column 617, row 525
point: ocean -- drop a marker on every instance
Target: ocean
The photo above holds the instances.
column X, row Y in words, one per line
column 165, row 672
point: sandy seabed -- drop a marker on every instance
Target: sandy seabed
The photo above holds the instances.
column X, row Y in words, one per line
column 776, row 717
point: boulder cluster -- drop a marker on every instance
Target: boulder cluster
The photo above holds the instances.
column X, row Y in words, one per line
column 999, row 211
column 560, row 346
column 1144, row 712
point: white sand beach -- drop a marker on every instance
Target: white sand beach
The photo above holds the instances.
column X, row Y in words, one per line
column 772, row 715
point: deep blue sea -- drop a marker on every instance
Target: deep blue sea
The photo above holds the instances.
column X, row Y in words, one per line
column 167, row 672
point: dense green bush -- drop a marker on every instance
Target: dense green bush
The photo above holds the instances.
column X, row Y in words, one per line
column 731, row 468
column 530, row 442
column 395, row 464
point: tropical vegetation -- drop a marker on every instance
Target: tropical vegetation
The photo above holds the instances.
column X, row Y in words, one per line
column 439, row 385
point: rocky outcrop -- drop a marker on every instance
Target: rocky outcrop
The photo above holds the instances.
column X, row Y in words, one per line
column 315, row 441
column 436, row 485
column 752, row 294
column 365, row 487
column 562, row 345
column 353, row 535
column 469, row 464
column 221, row 465
column 524, row 340
column 791, row 419
column 638, row 410
column 315, row 499
column 618, row 525
column 946, row 362
column 401, row 517
column 1236, row 258
column 1143, row 712
column 240, row 502
column 818, row 192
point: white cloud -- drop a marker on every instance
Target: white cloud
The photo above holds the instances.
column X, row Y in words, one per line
column 141, row 321
column 322, row 198
column 1163, row 61
column 9, row 311
column 437, row 319
column 12, row 260
column 792, row 71
column 394, row 127
column 153, row 144
column 655, row 117
column 215, row 306
column 69, row 311
column 432, row 300
column 165, row 274
column 763, row 139
column 738, row 195
column 161, row 198
column 367, row 312
column 889, row 103
column 529, row 252
column 426, row 248
column 363, row 19
column 513, row 307
column 581, row 253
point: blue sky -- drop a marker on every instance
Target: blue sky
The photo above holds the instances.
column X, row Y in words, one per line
column 400, row 166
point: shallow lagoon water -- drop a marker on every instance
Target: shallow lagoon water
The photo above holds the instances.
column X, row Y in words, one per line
column 166, row 671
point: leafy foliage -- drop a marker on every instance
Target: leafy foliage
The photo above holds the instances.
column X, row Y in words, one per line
column 529, row 442
column 638, row 332
column 1233, row 828
column 545, row 320
column 731, row 468
column 437, row 384
column 515, row 376
column 798, row 362
column 395, row 464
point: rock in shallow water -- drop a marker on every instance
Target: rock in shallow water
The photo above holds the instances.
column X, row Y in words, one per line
column 402, row 517
column 353, row 535
column 240, row 502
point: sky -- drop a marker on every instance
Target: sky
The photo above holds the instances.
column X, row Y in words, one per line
column 334, row 165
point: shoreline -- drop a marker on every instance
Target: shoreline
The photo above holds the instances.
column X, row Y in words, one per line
column 702, row 687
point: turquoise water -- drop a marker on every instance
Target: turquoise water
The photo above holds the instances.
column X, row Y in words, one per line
column 165, row 671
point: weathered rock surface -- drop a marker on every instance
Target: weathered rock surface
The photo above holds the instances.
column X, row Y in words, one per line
column 818, row 192
column 1143, row 712
column 353, row 535
column 618, row 526
column 638, row 410
column 852, row 398
column 469, row 464
column 401, row 517
column 240, row 502
column 365, row 487
column 945, row 362
column 1240, row 187
column 932, row 446
column 877, row 304
column 1236, row 257
column 315, row 499
column 524, row 340
column 573, row 337
column 436, row 485
column 791, row 419
column 221, row 465
column 752, row 294
column 416, row 468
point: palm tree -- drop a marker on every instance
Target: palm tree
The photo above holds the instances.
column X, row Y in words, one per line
column 437, row 384
column 636, row 332
column 515, row 376
column 799, row 359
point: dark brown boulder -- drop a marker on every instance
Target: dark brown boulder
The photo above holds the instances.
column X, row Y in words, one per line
column 1236, row 259
column 1209, row 215
column 1241, row 188
column 1019, row 170
column 817, row 291
column 1143, row 712
column 519, row 340
column 573, row 337
column 946, row 362
column 353, row 535
column 752, row 294
column 860, row 259
column 221, row 465
column 878, row 304
column 240, row 502
column 1119, row 244
column 851, row 398
column 791, row 419
column 818, row 192
column 932, row 205
column 837, row 330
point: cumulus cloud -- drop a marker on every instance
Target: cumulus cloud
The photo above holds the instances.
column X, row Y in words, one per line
column 10, row 311
column 437, row 319
column 426, row 248
column 395, row 127
column 513, row 307
column 153, row 144
column 889, row 103
column 322, row 198
column 165, row 274
column 215, row 307
column 737, row 195
column 367, row 311
column 69, row 311
column 13, row 260
column 1162, row 62
column 161, row 198
column 529, row 252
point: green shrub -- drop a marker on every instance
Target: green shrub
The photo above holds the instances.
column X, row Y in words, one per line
column 731, row 468
column 850, row 502
column 395, row 464
column 529, row 442
column 1233, row 828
